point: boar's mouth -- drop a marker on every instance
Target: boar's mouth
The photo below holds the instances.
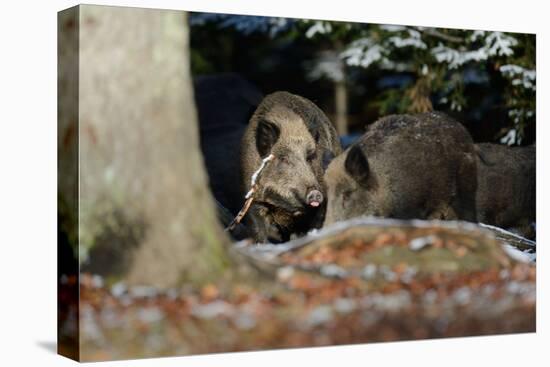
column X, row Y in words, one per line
column 293, row 205
column 280, row 206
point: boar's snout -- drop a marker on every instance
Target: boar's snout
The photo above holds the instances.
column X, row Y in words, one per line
column 314, row 198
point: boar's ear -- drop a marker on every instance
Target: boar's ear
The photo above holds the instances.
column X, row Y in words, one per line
column 267, row 134
column 357, row 165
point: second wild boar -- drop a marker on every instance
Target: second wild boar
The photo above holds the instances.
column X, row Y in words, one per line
column 506, row 195
column 290, row 199
column 405, row 166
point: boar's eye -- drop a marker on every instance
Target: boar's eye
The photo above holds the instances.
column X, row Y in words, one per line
column 267, row 134
column 311, row 155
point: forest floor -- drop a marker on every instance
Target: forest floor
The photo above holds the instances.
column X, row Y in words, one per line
column 357, row 283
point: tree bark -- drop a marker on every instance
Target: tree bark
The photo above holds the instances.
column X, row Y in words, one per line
column 341, row 107
column 143, row 187
column 341, row 97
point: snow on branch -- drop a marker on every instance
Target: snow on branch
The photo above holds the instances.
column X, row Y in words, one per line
column 362, row 52
column 520, row 76
column 318, row 27
column 494, row 44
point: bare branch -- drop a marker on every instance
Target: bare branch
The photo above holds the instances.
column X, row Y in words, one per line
column 437, row 34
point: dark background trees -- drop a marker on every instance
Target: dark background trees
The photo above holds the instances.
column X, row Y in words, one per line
column 359, row 72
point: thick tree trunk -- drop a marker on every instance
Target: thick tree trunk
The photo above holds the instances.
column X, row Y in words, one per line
column 143, row 188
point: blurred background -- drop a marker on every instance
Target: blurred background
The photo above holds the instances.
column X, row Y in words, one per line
column 358, row 72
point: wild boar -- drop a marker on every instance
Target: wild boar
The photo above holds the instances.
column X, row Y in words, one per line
column 405, row 166
column 506, row 195
column 290, row 199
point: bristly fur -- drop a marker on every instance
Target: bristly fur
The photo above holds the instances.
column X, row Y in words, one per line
column 303, row 140
column 406, row 166
column 506, row 195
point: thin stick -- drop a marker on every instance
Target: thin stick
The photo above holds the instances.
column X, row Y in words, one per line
column 250, row 194
column 241, row 214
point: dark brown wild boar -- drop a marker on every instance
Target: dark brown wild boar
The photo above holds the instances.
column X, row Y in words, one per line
column 506, row 195
column 405, row 166
column 291, row 192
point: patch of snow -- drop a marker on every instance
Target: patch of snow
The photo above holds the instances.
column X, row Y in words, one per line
column 345, row 305
column 495, row 44
column 318, row 27
column 89, row 326
column 520, row 288
column 407, row 42
column 334, row 271
column 510, row 138
column 245, row 321
column 118, row 289
column 319, row 315
column 476, row 35
column 212, row 310
column 369, row 271
column 456, row 58
column 150, row 315
column 362, row 52
column 456, row 106
column 142, row 291
column 388, row 274
column 430, row 296
column 97, row 281
column 504, row 274
column 518, row 255
column 462, row 295
column 424, row 70
column 285, row 273
column 408, row 275
column 500, row 44
column 172, row 293
column 388, row 302
column 419, row 243
column 520, row 76
column 509, row 234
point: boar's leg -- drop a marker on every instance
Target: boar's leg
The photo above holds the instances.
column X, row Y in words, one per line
column 262, row 227
column 527, row 230
column 443, row 212
column 257, row 224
